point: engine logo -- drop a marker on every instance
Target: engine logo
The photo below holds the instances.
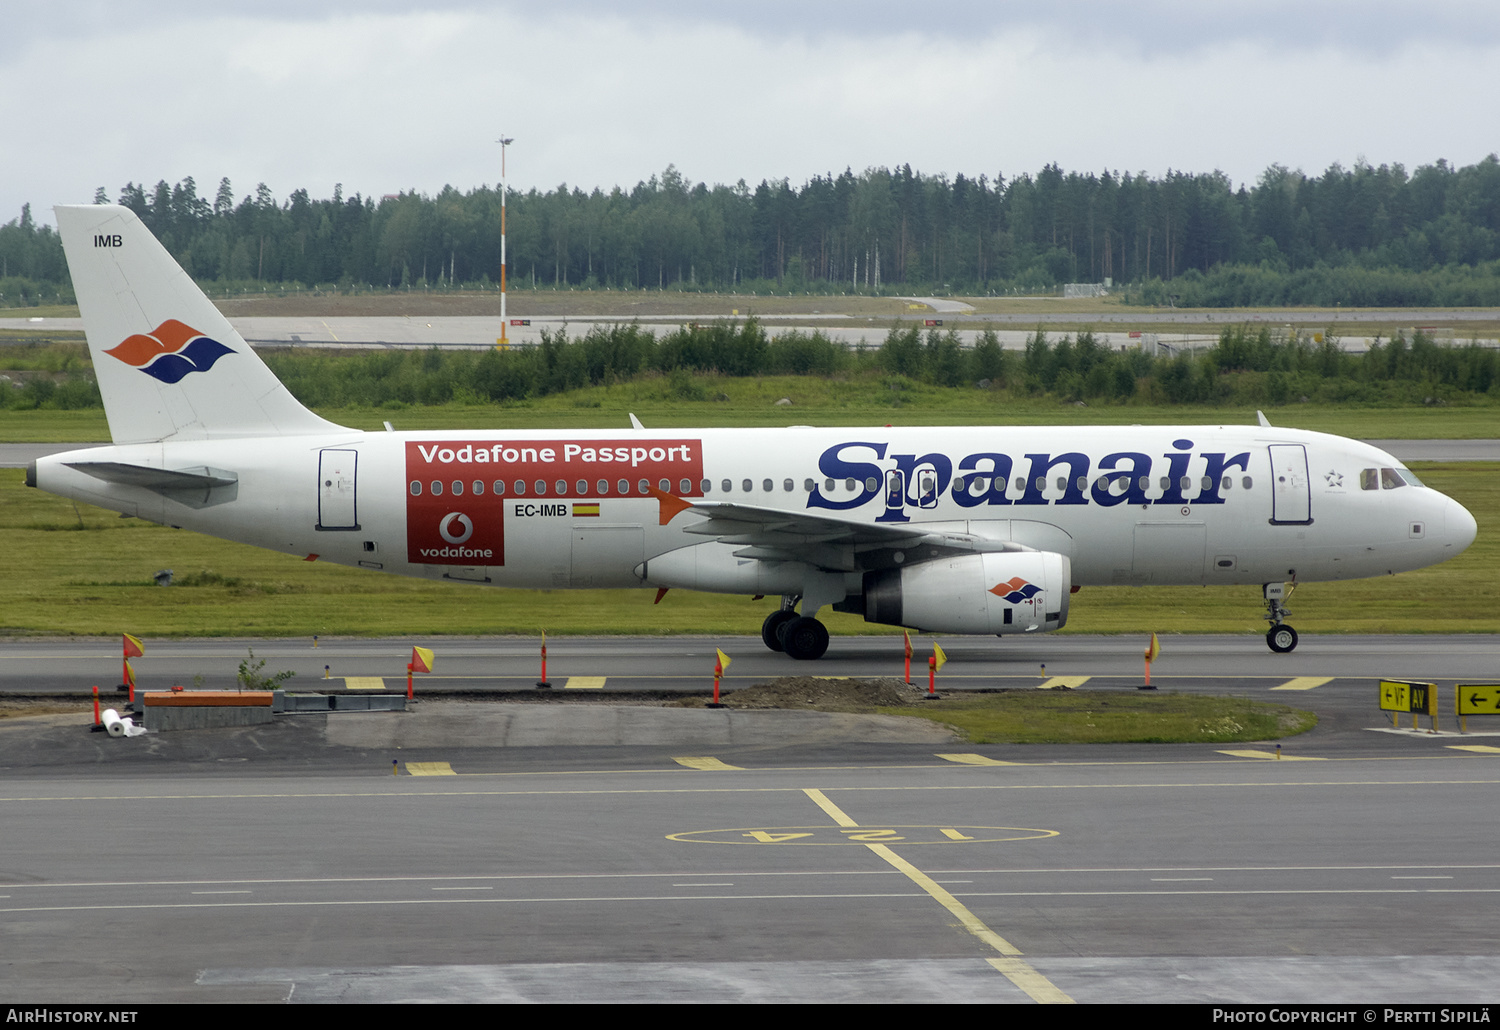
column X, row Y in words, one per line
column 1015, row 590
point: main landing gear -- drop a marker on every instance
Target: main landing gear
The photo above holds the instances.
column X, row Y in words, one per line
column 1280, row 638
column 798, row 636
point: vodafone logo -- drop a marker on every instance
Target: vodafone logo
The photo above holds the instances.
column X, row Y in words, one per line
column 464, row 524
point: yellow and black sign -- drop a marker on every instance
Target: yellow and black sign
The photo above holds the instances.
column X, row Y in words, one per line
column 1478, row 698
column 1406, row 696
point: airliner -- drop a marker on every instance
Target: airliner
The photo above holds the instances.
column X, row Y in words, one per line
column 972, row 529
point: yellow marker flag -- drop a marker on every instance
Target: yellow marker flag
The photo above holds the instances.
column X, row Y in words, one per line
column 723, row 660
column 907, row 635
column 1154, row 649
column 937, row 652
column 129, row 674
column 133, row 646
column 421, row 659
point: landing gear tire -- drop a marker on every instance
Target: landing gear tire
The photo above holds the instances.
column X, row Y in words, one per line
column 804, row 638
column 1281, row 639
column 774, row 626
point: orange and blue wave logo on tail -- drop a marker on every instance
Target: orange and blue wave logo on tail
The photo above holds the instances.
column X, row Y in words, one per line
column 171, row 351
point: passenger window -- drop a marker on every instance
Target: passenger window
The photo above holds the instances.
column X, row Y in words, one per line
column 828, row 485
column 685, row 487
column 808, row 485
column 623, row 486
column 458, row 488
column 603, row 486
column 1020, row 483
column 727, row 486
column 766, row 485
column 848, row 485
column 705, row 486
column 787, row 485
column 1247, row 482
column 499, row 488
column 747, row 486
column 664, row 485
column 520, row 488
column 437, row 488
column 541, row 487
column 416, row 488
column 583, row 487
column 645, row 486
column 478, row 487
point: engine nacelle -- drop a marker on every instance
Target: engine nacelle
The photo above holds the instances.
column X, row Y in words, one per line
column 714, row 567
column 999, row 593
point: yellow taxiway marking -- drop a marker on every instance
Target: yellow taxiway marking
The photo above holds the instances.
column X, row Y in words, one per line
column 363, row 683
column 1271, row 755
column 584, row 683
column 1304, row 682
column 974, row 760
column 1016, row 969
column 706, row 764
column 1484, row 749
column 429, row 769
column 1071, row 682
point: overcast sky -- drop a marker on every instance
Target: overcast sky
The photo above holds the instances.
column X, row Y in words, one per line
column 387, row 95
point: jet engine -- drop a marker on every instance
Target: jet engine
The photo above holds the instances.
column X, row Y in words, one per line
column 999, row 593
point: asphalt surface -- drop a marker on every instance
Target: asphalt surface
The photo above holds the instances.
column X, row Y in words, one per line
column 748, row 856
column 482, row 331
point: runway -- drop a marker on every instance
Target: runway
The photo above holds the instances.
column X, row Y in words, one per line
column 481, row 332
column 287, row 863
column 1207, row 880
column 684, row 663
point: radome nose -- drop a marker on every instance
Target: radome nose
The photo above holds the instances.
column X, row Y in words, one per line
column 1459, row 527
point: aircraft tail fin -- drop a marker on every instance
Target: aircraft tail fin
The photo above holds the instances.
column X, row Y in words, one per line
column 168, row 364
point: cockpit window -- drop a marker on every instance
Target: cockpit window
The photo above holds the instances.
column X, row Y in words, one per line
column 1411, row 480
column 1369, row 479
column 1390, row 479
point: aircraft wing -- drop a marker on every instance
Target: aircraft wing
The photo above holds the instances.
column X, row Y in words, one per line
column 824, row 541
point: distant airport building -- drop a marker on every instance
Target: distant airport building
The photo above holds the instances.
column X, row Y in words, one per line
column 1071, row 290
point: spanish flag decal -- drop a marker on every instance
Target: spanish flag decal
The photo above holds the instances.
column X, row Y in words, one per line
column 586, row 510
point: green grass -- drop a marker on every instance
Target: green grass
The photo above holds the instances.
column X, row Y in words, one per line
column 1097, row 717
column 855, row 400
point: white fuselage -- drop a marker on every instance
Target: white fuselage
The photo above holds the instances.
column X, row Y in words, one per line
column 550, row 509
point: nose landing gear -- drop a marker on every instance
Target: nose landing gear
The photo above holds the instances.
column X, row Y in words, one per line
column 1280, row 638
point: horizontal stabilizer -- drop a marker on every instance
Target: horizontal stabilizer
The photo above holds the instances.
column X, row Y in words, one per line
column 198, row 487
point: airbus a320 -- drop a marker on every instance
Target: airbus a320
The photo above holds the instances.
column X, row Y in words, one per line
column 978, row 530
